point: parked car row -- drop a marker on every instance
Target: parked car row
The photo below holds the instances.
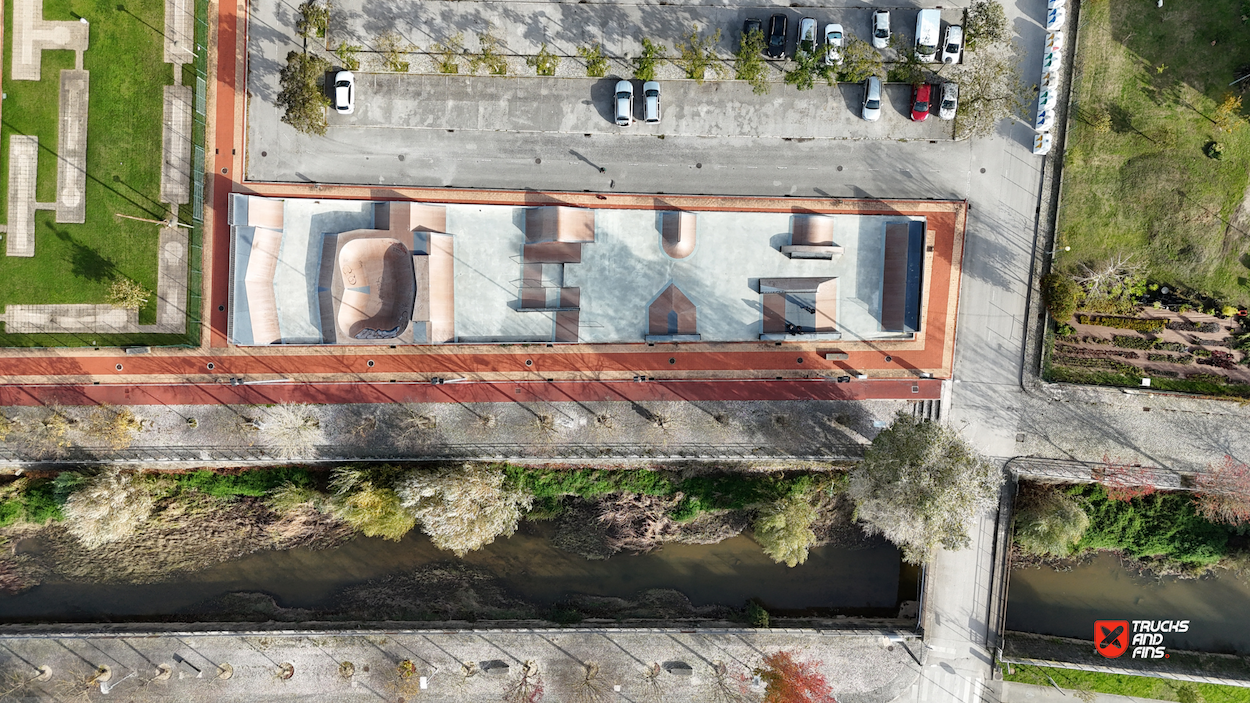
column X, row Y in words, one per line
column 624, row 99
column 922, row 97
column 928, row 25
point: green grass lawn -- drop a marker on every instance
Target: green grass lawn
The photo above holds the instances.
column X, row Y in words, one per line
column 1139, row 686
column 1145, row 186
column 76, row 263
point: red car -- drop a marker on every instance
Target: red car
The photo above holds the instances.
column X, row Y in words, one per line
column 920, row 102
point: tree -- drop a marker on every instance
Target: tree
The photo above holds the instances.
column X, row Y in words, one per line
column 300, row 96
column 596, row 62
column 446, row 53
column 374, row 510
column 1048, row 521
column 646, row 63
column 790, row 681
column 1124, row 481
column 783, row 528
column 1223, row 492
column 545, row 63
column 1061, row 295
column 116, row 427
column 107, row 508
column 859, row 61
column 807, row 66
column 697, row 54
column 909, row 68
column 749, row 64
column 314, row 19
column 128, row 295
column 463, row 510
column 921, row 486
column 985, row 22
column 528, row 686
column 292, row 429
column 990, row 89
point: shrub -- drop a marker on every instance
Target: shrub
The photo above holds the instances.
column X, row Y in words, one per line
column 1163, row 526
column 128, row 295
column 545, row 63
column 1171, row 346
column 646, row 63
column 446, row 52
column 587, row 483
column 596, row 62
column 393, row 48
column 314, row 19
column 463, row 510
column 29, row 500
column 757, row 616
column 374, row 510
column 1061, row 295
column 783, row 529
column 1121, row 340
column 301, row 98
column 1218, row 359
column 1184, row 359
column 107, row 507
column 1127, row 323
column 1200, row 353
column 1187, row 326
column 1048, row 521
column 490, row 54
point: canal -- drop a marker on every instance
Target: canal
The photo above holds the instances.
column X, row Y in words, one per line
column 1067, row 603
column 870, row 581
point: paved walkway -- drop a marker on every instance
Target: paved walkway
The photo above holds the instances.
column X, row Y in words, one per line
column 171, row 283
column 176, row 143
column 32, row 35
column 71, row 148
column 666, row 665
column 34, row 319
column 23, row 168
column 179, row 33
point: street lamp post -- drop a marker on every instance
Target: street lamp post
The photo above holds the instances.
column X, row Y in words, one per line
column 1056, row 250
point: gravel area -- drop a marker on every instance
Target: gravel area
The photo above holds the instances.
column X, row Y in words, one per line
column 600, row 431
column 862, row 667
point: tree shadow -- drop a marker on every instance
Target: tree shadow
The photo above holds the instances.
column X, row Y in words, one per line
column 84, row 261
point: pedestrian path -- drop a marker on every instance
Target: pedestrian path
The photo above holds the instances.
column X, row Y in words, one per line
column 176, row 145
column 179, row 32
column 32, row 35
column 23, row 165
column 71, row 148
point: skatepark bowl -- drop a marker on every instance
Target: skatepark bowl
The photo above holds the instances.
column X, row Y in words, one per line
column 379, row 288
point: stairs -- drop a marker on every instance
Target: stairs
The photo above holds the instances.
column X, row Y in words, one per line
column 928, row 410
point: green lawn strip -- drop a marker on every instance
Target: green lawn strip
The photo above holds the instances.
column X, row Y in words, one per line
column 76, row 263
column 1121, row 684
column 1145, row 187
column 1057, row 372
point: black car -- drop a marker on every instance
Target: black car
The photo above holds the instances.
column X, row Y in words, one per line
column 752, row 25
column 776, row 37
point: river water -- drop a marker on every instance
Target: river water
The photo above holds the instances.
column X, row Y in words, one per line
column 868, row 580
column 1067, row 603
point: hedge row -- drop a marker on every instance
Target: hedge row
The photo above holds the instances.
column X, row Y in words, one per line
column 1125, row 323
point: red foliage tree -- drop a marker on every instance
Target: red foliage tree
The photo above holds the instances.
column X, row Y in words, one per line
column 790, row 681
column 1124, row 481
column 1223, row 493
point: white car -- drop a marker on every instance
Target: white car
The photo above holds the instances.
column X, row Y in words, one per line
column 954, row 44
column 872, row 99
column 344, row 92
column 624, row 98
column 928, row 22
column 651, row 102
column 833, row 45
column 881, row 29
column 807, row 37
column 949, row 101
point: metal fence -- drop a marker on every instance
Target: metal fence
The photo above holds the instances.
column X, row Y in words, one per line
column 1074, row 471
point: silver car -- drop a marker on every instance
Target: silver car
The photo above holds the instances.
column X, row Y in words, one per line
column 880, row 29
column 872, row 99
column 949, row 101
column 624, row 103
column 651, row 102
column 344, row 92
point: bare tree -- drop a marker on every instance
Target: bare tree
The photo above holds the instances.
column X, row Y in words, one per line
column 589, row 688
column 292, row 429
column 107, row 508
column 1108, row 277
column 464, row 509
column 1224, row 492
column 527, row 687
